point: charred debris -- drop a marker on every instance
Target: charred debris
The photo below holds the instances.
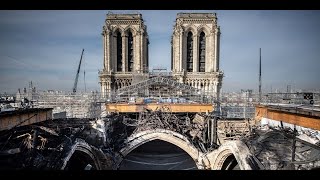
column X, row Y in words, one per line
column 88, row 144
column 53, row 144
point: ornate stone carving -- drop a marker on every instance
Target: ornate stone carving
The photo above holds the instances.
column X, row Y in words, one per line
column 177, row 30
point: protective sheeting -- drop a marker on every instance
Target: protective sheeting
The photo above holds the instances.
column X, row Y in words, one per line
column 281, row 149
column 313, row 135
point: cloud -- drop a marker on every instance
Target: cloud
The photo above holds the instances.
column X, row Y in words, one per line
column 45, row 46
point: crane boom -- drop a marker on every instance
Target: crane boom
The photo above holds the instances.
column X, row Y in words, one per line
column 74, row 89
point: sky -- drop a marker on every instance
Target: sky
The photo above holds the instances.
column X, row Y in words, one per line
column 45, row 47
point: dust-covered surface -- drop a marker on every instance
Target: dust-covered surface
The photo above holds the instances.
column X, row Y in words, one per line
column 94, row 143
column 47, row 145
column 191, row 125
column 280, row 149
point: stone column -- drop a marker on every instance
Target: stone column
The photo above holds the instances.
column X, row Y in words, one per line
column 136, row 51
column 110, row 85
column 106, row 89
column 218, row 50
column 104, row 50
column 218, row 91
column 181, row 63
column 124, row 53
column 144, row 64
column 140, row 66
column 107, row 49
column 216, row 87
column 181, row 79
column 195, row 53
column 174, row 65
column 211, row 87
column 102, row 88
column 140, row 52
column 173, row 54
column 105, row 92
column 205, row 86
column 215, row 51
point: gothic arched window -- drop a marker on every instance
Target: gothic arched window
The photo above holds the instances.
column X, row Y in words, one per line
column 119, row 52
column 130, row 52
column 202, row 52
column 190, row 52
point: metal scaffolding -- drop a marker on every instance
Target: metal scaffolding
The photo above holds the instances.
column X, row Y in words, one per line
column 161, row 86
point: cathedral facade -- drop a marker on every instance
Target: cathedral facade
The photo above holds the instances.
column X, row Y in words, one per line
column 195, row 52
column 125, row 49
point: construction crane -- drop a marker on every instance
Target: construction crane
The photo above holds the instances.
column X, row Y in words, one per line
column 74, row 89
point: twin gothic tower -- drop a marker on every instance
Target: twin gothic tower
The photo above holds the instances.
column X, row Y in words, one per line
column 194, row 51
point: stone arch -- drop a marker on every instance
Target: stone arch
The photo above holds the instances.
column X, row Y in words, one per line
column 189, row 28
column 131, row 29
column 203, row 28
column 239, row 150
column 88, row 155
column 172, row 137
column 117, row 29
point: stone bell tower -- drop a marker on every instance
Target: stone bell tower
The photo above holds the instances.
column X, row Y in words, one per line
column 195, row 51
column 125, row 49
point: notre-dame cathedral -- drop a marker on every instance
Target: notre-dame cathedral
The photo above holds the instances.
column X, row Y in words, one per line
column 194, row 51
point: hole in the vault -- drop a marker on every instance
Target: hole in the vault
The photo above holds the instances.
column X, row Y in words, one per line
column 230, row 163
column 158, row 155
column 80, row 161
